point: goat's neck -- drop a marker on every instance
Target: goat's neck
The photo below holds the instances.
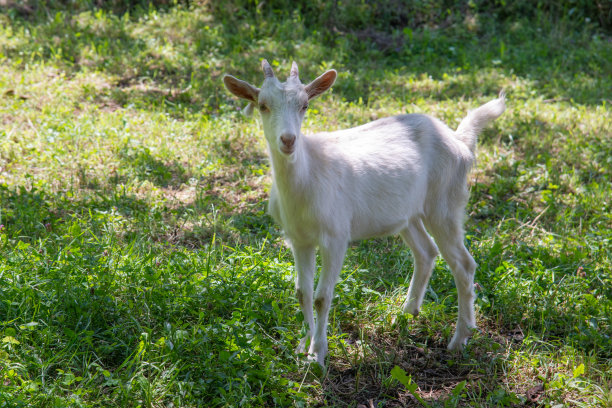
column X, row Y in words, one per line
column 290, row 174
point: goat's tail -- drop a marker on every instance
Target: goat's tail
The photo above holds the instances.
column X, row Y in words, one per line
column 471, row 126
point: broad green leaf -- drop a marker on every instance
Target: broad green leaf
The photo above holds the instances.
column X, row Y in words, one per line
column 10, row 340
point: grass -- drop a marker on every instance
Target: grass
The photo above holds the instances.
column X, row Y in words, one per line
column 138, row 267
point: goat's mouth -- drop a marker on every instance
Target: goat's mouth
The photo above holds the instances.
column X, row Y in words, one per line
column 286, row 150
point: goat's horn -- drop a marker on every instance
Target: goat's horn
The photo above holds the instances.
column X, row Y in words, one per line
column 295, row 73
column 267, row 69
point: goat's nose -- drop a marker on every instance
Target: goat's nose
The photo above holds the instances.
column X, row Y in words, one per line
column 288, row 140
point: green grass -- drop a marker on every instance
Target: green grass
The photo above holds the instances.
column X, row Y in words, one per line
column 138, row 267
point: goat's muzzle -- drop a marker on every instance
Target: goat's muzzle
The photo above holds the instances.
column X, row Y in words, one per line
column 287, row 143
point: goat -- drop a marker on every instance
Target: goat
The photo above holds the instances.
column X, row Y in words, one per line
column 402, row 174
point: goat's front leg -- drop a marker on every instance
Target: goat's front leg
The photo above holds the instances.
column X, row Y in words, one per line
column 332, row 256
column 304, row 281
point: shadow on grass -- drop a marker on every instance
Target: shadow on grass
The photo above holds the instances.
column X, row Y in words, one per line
column 433, row 369
column 140, row 163
column 32, row 214
column 109, row 212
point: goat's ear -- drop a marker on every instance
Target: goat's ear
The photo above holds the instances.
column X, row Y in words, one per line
column 321, row 84
column 241, row 89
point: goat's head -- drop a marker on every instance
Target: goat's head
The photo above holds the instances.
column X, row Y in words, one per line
column 282, row 104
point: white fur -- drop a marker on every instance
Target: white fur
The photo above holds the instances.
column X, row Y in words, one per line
column 400, row 174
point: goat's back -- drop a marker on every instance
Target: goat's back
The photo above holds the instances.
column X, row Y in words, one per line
column 392, row 139
column 379, row 175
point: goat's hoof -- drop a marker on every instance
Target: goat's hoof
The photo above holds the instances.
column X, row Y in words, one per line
column 318, row 354
column 317, row 369
column 410, row 309
column 457, row 344
column 405, row 314
column 461, row 337
column 455, row 347
column 301, row 348
column 318, row 360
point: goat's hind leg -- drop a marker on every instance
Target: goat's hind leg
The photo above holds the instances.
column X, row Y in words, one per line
column 424, row 252
column 304, row 281
column 449, row 237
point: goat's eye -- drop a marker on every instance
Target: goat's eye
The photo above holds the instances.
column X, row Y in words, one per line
column 304, row 107
column 263, row 107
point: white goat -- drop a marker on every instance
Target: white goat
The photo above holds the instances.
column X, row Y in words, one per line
column 400, row 174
